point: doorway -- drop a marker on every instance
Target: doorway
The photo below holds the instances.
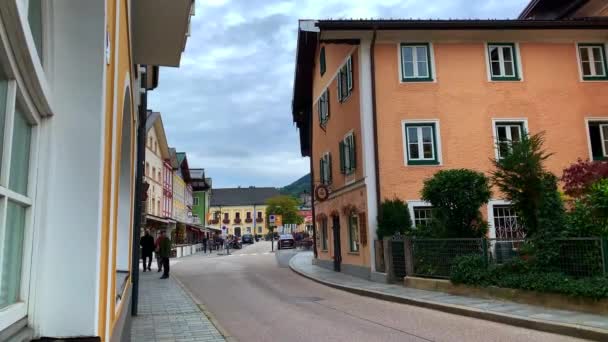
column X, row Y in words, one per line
column 337, row 249
column 237, row 231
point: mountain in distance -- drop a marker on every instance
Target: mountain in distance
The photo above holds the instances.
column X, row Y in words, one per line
column 296, row 188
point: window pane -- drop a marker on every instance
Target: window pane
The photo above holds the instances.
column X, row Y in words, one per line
column 502, row 133
column 20, row 153
column 428, row 151
column 12, row 253
column 515, row 133
column 597, row 54
column 423, row 69
column 421, row 53
column 414, row 151
column 408, row 69
column 412, row 135
column 509, row 70
column 34, row 18
column 427, row 134
column 507, row 54
column 408, row 55
column 586, row 68
column 584, row 54
column 496, row 68
column 503, row 149
column 599, row 68
column 494, row 53
column 3, row 96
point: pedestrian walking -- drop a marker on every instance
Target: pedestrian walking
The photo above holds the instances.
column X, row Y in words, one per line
column 159, row 260
column 164, row 250
column 204, row 244
column 147, row 247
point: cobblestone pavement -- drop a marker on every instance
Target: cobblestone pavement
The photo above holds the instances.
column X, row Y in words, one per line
column 168, row 314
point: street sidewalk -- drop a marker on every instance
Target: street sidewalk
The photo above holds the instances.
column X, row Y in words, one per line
column 167, row 313
column 571, row 323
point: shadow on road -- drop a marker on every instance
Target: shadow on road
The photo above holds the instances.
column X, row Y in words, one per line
column 283, row 256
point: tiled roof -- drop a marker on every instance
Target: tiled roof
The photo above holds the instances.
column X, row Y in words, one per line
column 242, row 196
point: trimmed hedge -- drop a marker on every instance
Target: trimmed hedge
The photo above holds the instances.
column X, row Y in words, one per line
column 517, row 274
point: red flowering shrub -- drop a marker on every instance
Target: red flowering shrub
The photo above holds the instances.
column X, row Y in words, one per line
column 578, row 177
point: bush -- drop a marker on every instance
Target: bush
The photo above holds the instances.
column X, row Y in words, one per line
column 456, row 196
column 517, row 274
column 394, row 218
column 579, row 177
column 470, row 269
column 589, row 214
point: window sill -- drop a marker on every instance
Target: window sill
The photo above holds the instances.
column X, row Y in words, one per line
column 417, row 80
column 353, row 253
column 423, row 163
column 324, row 251
column 505, row 79
column 597, row 79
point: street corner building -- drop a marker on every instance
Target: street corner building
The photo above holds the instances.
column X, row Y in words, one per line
column 73, row 79
column 238, row 211
column 381, row 105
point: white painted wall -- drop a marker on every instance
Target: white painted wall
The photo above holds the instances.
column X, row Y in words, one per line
column 66, row 259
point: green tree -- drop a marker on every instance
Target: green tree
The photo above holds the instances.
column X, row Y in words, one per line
column 394, row 217
column 287, row 207
column 520, row 175
column 456, row 196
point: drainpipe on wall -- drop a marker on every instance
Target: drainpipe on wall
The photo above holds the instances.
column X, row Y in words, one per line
column 137, row 219
column 375, row 120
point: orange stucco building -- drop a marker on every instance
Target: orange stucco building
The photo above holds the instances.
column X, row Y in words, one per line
column 419, row 96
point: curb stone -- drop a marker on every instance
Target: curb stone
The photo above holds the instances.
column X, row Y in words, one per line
column 572, row 330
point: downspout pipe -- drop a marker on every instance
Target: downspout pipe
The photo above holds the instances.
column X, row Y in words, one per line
column 138, row 198
column 375, row 120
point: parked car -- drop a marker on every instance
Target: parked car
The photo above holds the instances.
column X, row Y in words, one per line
column 286, row 241
column 247, row 238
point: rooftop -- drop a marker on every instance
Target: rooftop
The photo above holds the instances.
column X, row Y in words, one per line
column 242, row 196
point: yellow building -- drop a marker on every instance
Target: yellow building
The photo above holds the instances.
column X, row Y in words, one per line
column 239, row 211
column 71, row 94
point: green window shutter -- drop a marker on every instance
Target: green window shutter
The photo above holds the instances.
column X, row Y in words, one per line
column 342, row 156
column 329, row 178
column 349, row 71
column 339, row 81
column 320, row 111
column 321, row 173
column 327, row 97
column 322, row 62
column 353, row 152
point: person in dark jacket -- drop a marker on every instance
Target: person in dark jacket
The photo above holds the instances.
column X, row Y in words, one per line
column 164, row 251
column 147, row 247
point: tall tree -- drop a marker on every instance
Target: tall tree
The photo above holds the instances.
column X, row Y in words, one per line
column 287, row 207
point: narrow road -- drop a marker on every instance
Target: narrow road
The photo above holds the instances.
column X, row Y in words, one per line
column 256, row 297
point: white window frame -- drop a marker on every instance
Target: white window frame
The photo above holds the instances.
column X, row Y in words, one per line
column 490, row 208
column 495, row 121
column 437, row 142
column 579, row 60
column 195, row 201
column 431, row 63
column 17, row 96
column 588, row 121
column 519, row 76
column 411, row 204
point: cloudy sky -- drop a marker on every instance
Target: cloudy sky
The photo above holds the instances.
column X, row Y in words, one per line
column 229, row 104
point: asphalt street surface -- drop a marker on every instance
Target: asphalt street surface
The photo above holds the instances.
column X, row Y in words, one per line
column 256, row 297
